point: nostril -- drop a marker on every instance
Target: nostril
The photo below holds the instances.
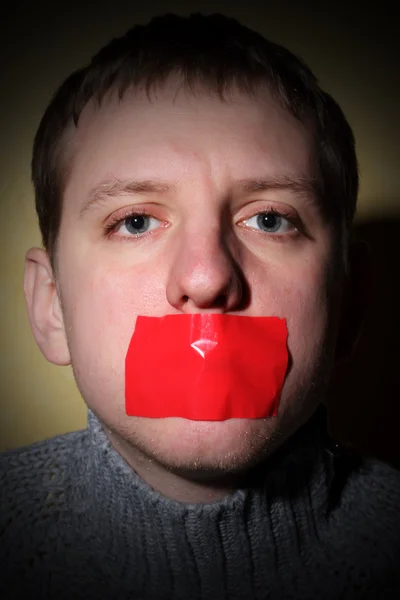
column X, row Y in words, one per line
column 220, row 301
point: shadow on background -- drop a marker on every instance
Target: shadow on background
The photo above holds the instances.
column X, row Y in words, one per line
column 364, row 401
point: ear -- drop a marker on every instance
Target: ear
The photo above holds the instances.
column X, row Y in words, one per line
column 357, row 293
column 44, row 308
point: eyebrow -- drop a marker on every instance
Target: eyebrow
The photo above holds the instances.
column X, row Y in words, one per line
column 299, row 185
column 113, row 188
column 101, row 193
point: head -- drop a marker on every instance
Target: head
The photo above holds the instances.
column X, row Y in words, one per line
column 192, row 166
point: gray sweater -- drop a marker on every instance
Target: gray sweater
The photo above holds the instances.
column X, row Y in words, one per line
column 78, row 523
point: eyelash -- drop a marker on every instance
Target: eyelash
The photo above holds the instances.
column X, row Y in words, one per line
column 276, row 212
column 117, row 220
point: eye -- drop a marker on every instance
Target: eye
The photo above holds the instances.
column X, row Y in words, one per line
column 134, row 225
column 137, row 224
column 269, row 222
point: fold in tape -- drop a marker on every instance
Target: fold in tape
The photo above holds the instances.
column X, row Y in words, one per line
column 208, row 367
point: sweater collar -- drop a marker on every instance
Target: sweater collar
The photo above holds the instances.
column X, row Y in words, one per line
column 231, row 548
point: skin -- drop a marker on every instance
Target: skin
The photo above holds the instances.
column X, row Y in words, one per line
column 205, row 253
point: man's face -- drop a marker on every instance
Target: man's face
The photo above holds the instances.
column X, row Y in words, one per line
column 201, row 247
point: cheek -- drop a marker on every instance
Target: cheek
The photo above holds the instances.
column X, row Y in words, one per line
column 100, row 314
column 300, row 296
column 309, row 342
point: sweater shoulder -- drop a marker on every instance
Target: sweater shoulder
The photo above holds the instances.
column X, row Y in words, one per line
column 33, row 479
column 27, row 463
column 365, row 503
column 371, row 481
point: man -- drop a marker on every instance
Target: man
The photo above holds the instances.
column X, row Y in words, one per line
column 195, row 190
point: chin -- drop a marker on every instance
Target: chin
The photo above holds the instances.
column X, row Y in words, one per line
column 186, row 446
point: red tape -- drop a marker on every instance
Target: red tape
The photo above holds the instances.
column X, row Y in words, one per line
column 207, row 367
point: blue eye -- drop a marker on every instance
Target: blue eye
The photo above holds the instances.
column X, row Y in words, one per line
column 269, row 222
column 138, row 224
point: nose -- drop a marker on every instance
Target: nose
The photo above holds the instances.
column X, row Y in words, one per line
column 205, row 275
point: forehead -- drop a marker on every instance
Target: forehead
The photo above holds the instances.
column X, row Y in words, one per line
column 178, row 136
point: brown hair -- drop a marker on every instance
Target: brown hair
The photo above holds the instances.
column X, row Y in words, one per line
column 215, row 52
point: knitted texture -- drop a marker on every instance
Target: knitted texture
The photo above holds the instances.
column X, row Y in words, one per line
column 77, row 522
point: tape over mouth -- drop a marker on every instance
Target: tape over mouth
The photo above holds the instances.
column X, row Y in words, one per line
column 206, row 367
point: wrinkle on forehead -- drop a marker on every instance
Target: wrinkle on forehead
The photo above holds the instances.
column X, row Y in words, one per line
column 173, row 88
column 178, row 127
